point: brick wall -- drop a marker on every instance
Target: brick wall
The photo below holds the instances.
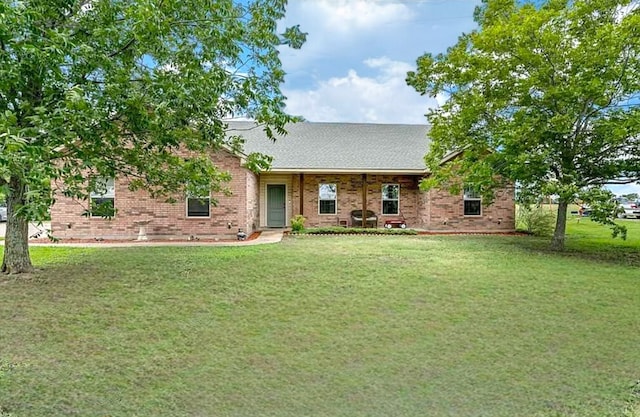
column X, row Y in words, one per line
column 446, row 213
column 350, row 189
column 166, row 220
column 432, row 210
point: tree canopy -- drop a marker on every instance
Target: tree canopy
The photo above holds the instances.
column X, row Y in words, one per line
column 543, row 95
column 105, row 88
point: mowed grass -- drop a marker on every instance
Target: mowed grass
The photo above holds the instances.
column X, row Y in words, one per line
column 589, row 240
column 327, row 326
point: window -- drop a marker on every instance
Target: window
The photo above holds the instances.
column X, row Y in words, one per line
column 472, row 201
column 198, row 206
column 390, row 199
column 327, row 197
column 102, row 198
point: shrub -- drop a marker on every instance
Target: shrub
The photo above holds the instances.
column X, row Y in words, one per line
column 535, row 220
column 357, row 231
column 297, row 223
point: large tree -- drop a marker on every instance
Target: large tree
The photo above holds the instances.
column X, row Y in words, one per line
column 102, row 88
column 543, row 94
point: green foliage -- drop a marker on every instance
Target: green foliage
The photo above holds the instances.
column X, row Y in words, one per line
column 535, row 220
column 542, row 96
column 297, row 223
column 104, row 209
column 103, row 88
column 604, row 209
column 336, row 230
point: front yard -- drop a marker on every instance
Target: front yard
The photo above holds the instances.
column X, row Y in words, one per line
column 328, row 326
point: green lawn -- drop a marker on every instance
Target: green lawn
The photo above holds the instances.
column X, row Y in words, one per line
column 328, row 326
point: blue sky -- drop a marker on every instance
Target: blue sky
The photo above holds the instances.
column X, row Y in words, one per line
column 353, row 66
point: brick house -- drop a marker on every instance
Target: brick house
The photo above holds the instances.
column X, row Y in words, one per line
column 320, row 170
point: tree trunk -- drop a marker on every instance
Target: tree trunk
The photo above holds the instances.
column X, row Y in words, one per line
column 557, row 243
column 16, row 241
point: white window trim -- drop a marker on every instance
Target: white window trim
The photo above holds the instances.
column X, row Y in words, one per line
column 186, row 206
column 335, row 206
column 110, row 192
column 386, row 199
column 465, row 198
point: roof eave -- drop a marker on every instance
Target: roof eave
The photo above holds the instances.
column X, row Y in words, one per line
column 346, row 171
column 450, row 157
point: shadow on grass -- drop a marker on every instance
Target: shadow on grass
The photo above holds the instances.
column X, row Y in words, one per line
column 613, row 251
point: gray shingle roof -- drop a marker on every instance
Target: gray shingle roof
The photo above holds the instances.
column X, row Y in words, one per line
column 340, row 146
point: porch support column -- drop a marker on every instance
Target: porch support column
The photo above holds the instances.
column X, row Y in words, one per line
column 301, row 191
column 364, row 200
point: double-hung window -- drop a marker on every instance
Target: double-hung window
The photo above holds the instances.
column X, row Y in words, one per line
column 102, row 198
column 472, row 201
column 327, row 198
column 391, row 199
column 198, row 206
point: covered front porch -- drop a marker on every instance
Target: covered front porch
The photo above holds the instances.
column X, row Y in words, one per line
column 328, row 199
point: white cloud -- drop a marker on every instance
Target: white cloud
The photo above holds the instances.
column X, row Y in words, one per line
column 383, row 98
column 170, row 67
column 341, row 29
column 348, row 15
column 388, row 67
column 353, row 66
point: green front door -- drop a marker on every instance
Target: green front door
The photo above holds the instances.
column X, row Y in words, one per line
column 276, row 205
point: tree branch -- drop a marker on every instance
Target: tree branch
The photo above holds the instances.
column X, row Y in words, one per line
column 614, row 182
column 124, row 48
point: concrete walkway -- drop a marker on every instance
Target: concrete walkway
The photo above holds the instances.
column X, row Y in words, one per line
column 266, row 237
column 34, row 228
